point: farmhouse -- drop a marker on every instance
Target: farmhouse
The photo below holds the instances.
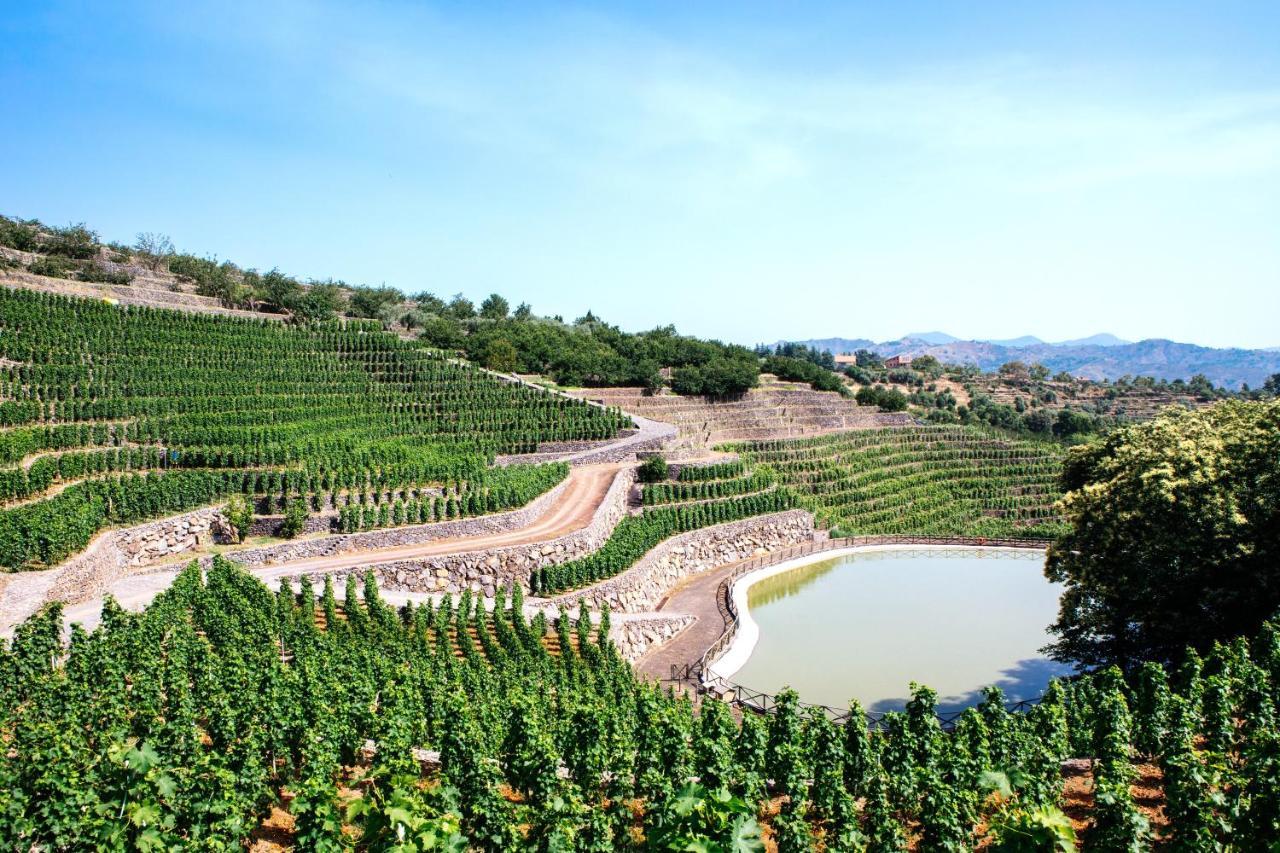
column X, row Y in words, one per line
column 897, row 361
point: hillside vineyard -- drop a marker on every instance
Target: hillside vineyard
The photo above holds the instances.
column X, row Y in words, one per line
column 113, row 415
column 930, row 480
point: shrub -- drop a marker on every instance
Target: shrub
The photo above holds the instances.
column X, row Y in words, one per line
column 18, row 235
column 369, row 302
column 154, row 249
column 100, row 273
column 802, row 370
column 239, row 513
column 653, row 470
column 295, row 518
column 889, row 399
column 74, row 241
column 51, row 267
column 722, row 376
column 494, row 308
column 502, row 356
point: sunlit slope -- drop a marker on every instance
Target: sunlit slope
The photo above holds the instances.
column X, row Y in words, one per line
column 925, row 480
column 111, row 415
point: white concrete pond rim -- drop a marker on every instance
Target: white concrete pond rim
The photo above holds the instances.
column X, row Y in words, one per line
column 747, row 633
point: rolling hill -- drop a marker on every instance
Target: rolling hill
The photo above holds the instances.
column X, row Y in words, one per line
column 1098, row 357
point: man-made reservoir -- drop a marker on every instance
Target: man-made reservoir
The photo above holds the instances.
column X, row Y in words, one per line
column 864, row 625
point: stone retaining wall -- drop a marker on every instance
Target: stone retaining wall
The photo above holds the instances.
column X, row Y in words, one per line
column 113, row 555
column 634, row 637
column 392, row 537
column 641, row 587
column 317, row 522
column 484, row 571
column 147, row 543
column 651, row 435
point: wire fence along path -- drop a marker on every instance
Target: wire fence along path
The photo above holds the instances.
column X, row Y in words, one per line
column 698, row 673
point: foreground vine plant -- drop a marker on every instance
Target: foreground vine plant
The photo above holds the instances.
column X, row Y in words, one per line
column 182, row 727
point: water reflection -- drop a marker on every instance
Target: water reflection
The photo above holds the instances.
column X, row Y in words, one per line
column 864, row 626
column 787, row 584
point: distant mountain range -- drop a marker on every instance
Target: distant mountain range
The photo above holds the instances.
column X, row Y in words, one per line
column 1102, row 356
column 1102, row 340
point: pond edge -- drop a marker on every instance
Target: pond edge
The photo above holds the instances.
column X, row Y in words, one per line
column 746, row 632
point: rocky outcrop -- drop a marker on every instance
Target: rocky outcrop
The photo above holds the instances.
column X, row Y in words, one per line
column 641, row 587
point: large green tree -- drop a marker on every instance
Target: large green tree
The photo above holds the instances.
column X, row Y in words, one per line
column 1174, row 536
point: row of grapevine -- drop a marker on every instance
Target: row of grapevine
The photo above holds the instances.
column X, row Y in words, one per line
column 664, row 493
column 927, row 480
column 518, row 487
column 45, row 533
column 180, row 727
column 637, row 534
column 327, row 413
column 717, row 471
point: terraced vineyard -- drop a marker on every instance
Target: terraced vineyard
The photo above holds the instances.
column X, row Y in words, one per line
column 115, row 415
column 919, row 480
column 636, row 534
column 759, row 480
column 774, row 410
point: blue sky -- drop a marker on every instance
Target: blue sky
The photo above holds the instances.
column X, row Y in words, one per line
column 746, row 171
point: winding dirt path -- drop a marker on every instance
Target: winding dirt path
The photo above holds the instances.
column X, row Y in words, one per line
column 572, row 511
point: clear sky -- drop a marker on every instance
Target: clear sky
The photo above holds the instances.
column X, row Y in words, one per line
column 746, row 171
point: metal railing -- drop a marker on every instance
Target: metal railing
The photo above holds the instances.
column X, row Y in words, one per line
column 696, row 672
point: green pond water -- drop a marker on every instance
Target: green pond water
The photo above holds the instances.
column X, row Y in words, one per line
column 866, row 625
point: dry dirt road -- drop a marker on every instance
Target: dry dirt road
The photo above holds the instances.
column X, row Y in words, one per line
column 572, row 511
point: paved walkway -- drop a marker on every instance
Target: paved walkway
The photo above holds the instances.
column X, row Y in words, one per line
column 695, row 595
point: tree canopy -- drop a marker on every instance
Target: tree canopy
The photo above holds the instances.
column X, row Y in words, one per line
column 1174, row 536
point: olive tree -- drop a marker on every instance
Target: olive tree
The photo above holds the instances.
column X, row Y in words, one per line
column 154, row 249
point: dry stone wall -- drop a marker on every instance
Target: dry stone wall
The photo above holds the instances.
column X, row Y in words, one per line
column 158, row 540
column 640, row 588
column 634, row 637
column 317, row 522
column 485, row 571
column 111, row 556
column 394, row 537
